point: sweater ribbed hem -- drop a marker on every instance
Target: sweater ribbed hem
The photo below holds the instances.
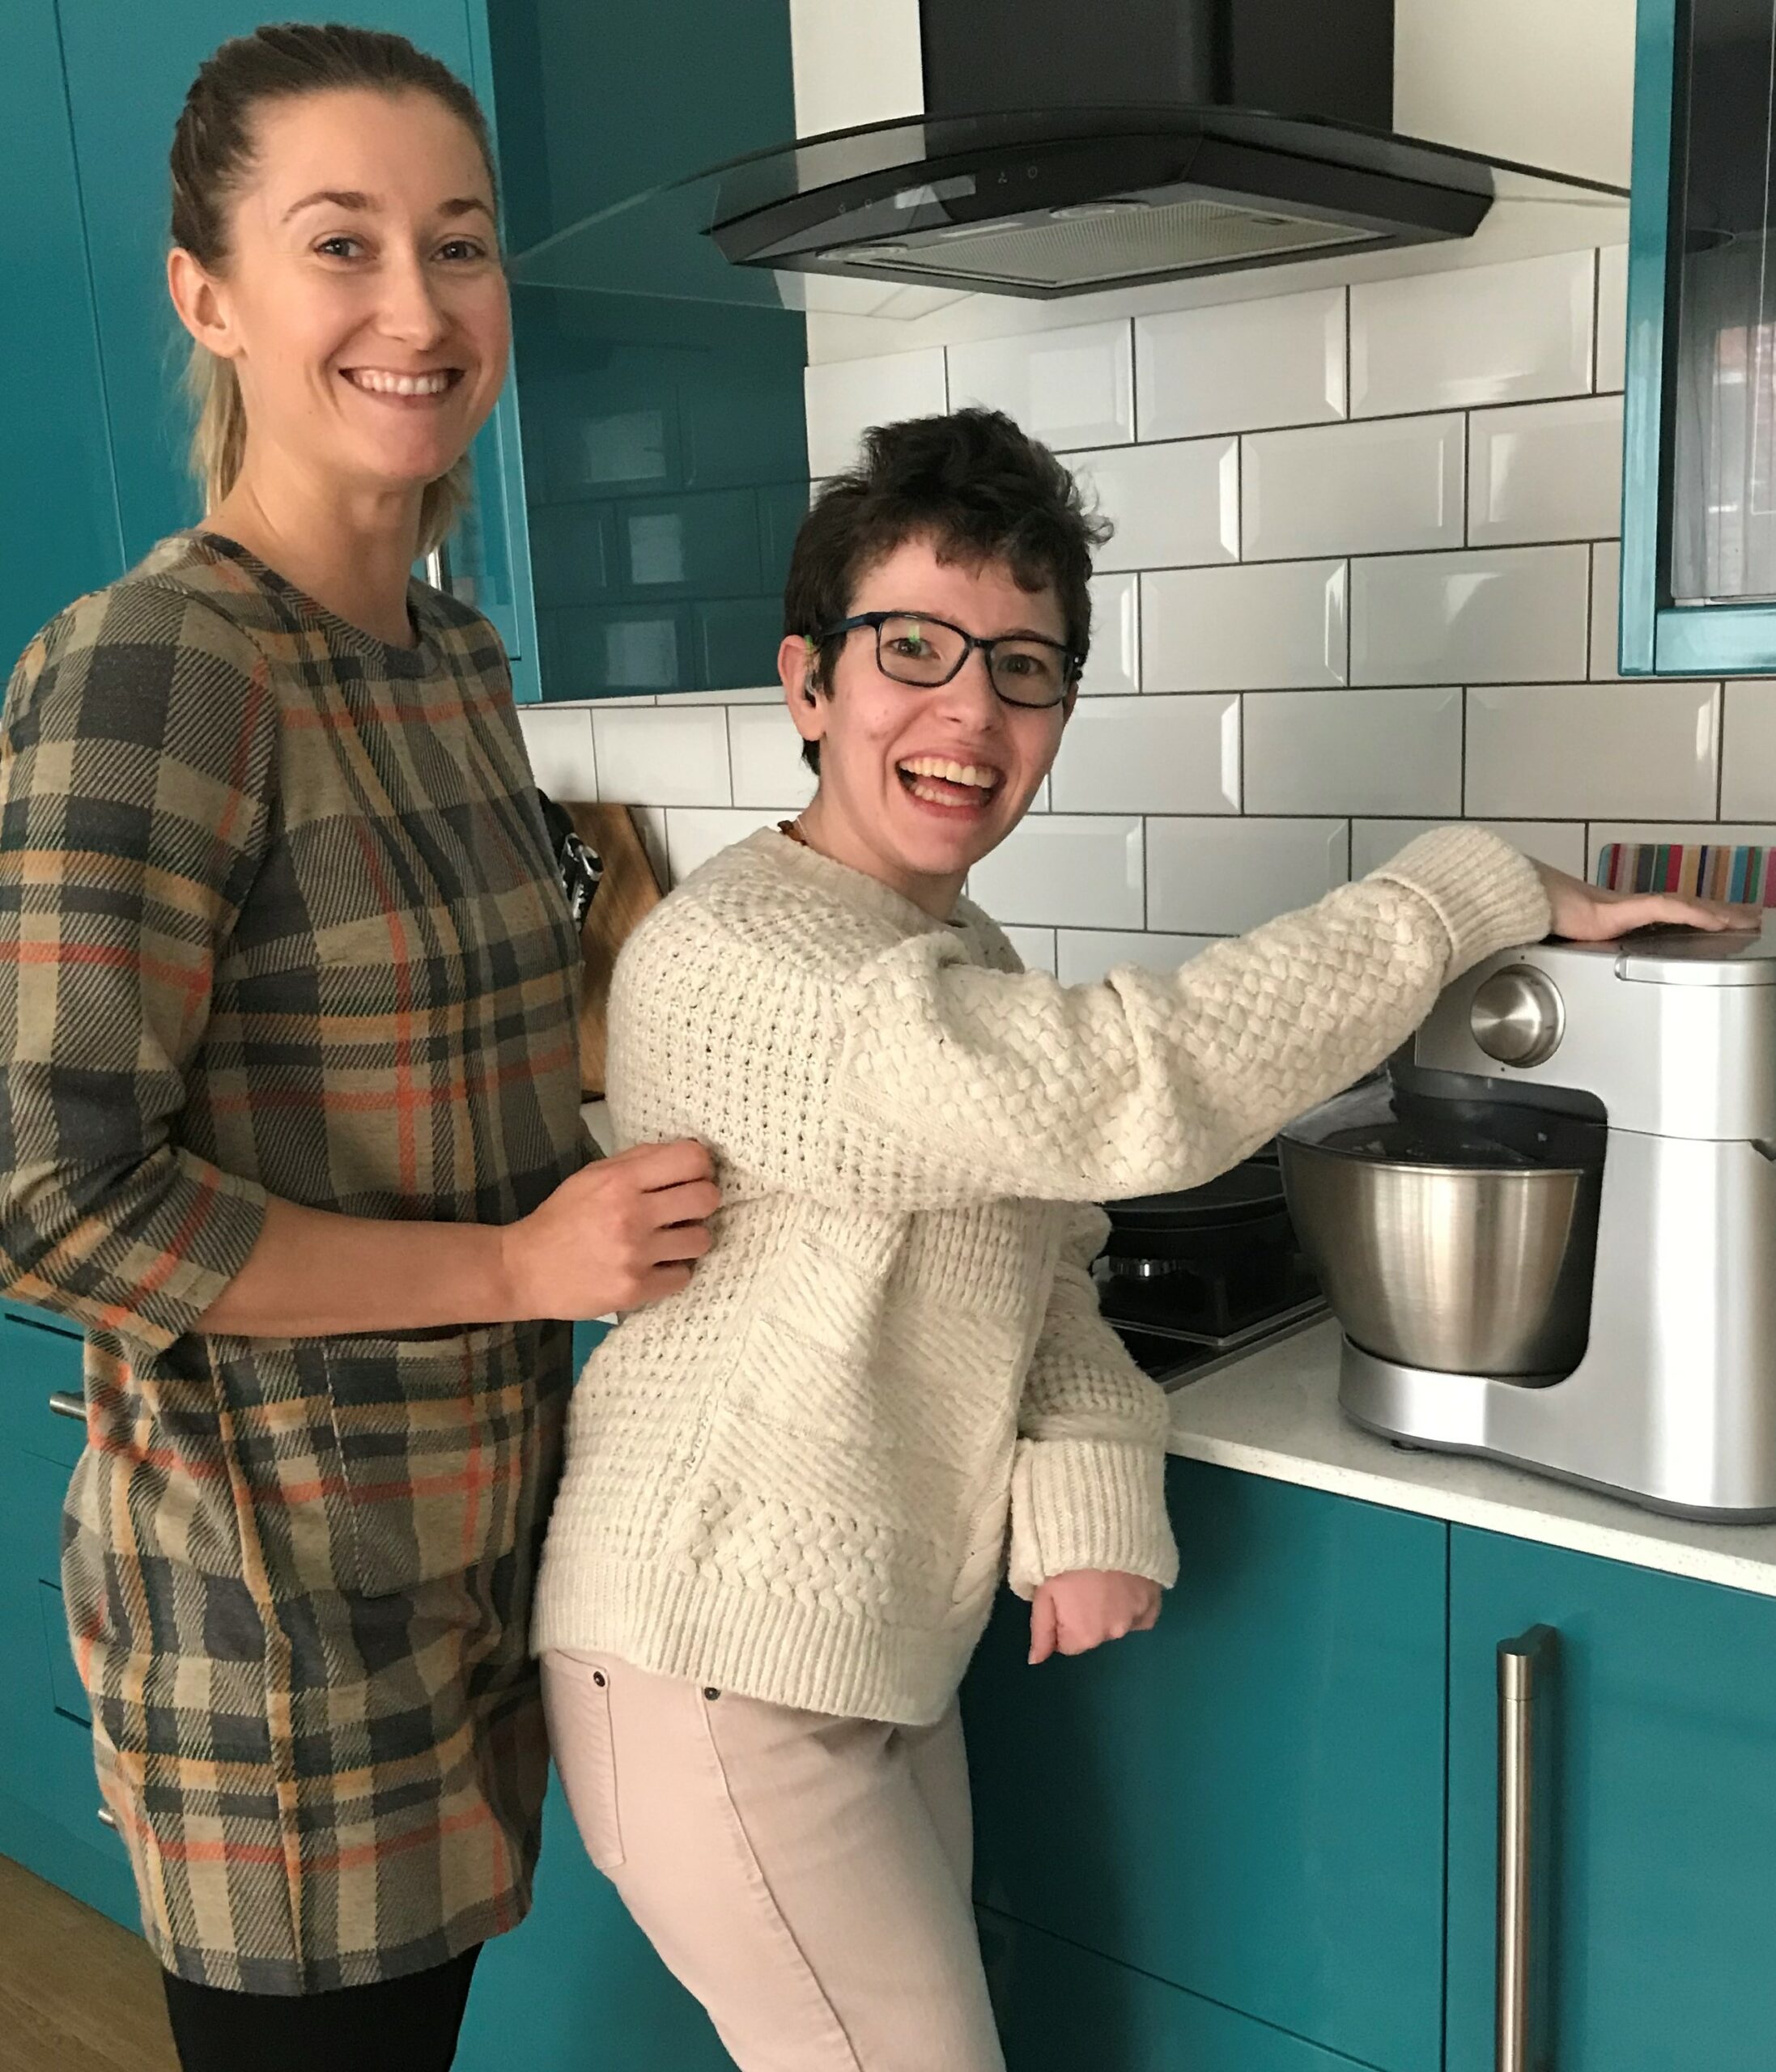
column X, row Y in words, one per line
column 757, row 1643
column 1487, row 896
column 1095, row 1504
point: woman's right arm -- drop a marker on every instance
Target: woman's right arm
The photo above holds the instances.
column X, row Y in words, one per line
column 137, row 753
column 614, row 1235
column 921, row 1080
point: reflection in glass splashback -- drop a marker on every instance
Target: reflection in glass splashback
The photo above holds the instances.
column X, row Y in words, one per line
column 1722, row 544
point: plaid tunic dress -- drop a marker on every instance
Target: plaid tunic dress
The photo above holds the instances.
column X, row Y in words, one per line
column 278, row 917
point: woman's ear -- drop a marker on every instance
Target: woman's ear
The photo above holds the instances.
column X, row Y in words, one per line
column 798, row 665
column 201, row 305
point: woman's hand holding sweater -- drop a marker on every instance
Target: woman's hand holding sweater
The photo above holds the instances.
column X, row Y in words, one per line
column 615, row 1235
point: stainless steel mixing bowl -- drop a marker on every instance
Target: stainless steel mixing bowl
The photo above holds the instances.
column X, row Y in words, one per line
column 1477, row 1262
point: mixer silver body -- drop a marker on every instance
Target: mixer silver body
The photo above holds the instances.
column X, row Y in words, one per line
column 1673, row 1401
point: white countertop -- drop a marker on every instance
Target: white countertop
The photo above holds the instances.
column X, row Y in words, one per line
column 1276, row 1413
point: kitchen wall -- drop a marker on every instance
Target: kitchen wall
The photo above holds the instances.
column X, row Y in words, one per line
column 1364, row 580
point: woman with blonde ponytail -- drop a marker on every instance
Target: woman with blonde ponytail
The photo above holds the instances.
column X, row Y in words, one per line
column 289, row 1116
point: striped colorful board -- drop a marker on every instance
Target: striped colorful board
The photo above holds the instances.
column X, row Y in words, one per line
column 1737, row 871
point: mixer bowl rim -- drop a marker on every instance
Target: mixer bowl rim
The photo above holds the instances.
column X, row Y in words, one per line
column 1521, row 1174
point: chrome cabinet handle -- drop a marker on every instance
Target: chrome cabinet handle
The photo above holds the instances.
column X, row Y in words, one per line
column 65, row 1404
column 107, row 1818
column 1525, row 1667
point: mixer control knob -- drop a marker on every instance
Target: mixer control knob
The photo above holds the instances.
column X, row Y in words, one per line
column 1517, row 1016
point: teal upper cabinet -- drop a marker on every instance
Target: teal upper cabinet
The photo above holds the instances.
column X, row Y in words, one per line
column 1698, row 595
column 59, row 530
column 128, row 69
column 1246, row 1803
column 1656, row 1836
column 127, row 72
column 665, row 456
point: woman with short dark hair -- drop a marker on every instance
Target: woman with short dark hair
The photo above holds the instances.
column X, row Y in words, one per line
column 792, row 1488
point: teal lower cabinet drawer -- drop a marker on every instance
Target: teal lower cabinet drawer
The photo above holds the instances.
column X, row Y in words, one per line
column 41, row 1363
column 1064, row 2010
column 1246, row 1802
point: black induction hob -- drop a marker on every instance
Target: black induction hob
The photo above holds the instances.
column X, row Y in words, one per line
column 1191, row 1280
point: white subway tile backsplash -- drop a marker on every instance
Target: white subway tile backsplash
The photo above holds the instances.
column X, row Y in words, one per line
column 1482, row 334
column 659, row 756
column 1174, row 506
column 1606, row 606
column 845, row 396
column 1546, row 471
column 1354, row 752
column 1149, row 755
column 1035, row 946
column 1491, row 615
column 559, row 744
column 1087, row 955
column 1242, row 367
column 1221, row 877
column 1114, row 663
column 1068, row 389
column 1612, row 315
column 1262, row 627
column 1626, row 750
column 765, row 753
column 1748, row 752
column 1374, row 842
column 693, row 836
column 1055, row 869
column 1377, row 488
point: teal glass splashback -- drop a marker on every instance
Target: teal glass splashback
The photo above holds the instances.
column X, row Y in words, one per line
column 665, row 460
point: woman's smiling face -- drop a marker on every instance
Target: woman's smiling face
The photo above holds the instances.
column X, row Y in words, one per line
column 917, row 785
column 362, row 302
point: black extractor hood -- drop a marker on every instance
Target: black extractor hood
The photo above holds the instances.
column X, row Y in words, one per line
column 1068, row 146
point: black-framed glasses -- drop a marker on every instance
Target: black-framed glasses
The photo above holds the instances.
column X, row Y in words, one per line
column 1023, row 668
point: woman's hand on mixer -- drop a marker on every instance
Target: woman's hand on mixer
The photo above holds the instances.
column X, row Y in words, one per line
column 614, row 1236
column 1074, row 1613
column 1589, row 913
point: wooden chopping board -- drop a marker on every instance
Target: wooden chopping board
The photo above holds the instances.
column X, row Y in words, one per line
column 626, row 894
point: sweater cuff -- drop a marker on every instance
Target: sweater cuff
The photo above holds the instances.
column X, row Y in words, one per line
column 1487, row 896
column 1096, row 1504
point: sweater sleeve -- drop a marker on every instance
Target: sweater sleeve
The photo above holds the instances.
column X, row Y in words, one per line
column 920, row 1080
column 1088, row 1483
column 136, row 749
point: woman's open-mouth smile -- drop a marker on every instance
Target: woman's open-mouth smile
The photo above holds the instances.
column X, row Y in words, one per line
column 955, row 789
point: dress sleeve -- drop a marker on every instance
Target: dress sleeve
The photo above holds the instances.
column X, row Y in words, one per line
column 1088, row 1481
column 137, row 754
column 921, row 1080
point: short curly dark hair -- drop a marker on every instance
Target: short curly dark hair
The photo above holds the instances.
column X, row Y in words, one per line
column 980, row 487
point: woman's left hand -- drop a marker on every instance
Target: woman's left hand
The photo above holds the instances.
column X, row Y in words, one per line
column 1589, row 913
column 1073, row 1613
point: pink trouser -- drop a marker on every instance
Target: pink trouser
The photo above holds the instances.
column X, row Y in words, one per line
column 806, row 1877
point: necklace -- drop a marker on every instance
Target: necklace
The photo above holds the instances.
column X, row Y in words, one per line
column 792, row 829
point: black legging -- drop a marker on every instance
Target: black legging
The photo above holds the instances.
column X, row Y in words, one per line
column 401, row 2025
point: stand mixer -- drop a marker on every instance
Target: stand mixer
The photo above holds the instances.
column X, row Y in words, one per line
column 1586, row 1283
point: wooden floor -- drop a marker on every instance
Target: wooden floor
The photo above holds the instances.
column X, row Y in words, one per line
column 77, row 1993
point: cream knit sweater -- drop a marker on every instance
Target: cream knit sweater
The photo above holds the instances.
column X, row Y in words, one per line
column 793, row 1479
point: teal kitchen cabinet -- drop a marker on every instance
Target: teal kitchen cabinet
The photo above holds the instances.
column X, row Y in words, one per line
column 1062, row 2009
column 59, row 533
column 1247, row 1802
column 1698, row 579
column 49, row 1802
column 127, row 73
column 1656, row 1825
column 633, row 537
